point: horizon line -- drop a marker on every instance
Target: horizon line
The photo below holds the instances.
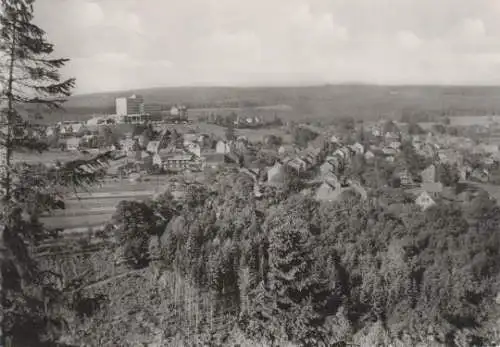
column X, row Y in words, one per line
column 297, row 85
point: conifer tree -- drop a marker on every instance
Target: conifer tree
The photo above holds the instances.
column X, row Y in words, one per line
column 30, row 77
column 292, row 302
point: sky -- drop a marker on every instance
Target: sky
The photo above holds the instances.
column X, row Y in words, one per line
column 132, row 44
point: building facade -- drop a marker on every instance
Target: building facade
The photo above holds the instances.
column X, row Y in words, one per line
column 129, row 105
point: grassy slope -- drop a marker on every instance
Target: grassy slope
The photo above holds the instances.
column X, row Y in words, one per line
column 362, row 101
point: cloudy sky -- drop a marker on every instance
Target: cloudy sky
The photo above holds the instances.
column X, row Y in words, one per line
column 126, row 44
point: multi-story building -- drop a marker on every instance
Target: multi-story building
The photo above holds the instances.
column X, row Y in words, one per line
column 152, row 109
column 129, row 105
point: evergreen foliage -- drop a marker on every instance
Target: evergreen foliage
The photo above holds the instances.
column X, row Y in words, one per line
column 31, row 298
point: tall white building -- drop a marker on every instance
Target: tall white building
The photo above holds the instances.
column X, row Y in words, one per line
column 130, row 105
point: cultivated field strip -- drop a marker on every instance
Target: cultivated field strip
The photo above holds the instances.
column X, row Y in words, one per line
column 94, row 209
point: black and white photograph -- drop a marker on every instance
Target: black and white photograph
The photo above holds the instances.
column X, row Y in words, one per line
column 249, row 173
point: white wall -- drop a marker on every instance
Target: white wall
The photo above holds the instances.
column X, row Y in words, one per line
column 121, row 106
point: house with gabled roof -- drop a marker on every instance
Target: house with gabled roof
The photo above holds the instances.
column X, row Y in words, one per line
column 297, row 164
column 424, row 200
column 404, row 176
column 308, row 160
column 276, row 174
column 429, row 174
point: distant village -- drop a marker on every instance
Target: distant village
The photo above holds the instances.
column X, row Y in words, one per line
column 329, row 163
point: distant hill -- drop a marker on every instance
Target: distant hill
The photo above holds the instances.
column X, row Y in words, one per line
column 314, row 102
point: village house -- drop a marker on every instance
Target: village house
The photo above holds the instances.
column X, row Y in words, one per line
column 73, row 143
column 153, row 147
column 212, row 160
column 334, row 139
column 427, row 193
column 404, row 177
column 189, row 139
column 177, row 161
column 330, row 177
column 127, row 145
column 335, row 161
column 434, row 189
column 395, row 145
column 429, row 174
column 488, row 161
column 50, row 131
column 223, row 147
column 358, row 148
column 204, row 140
column 424, row 201
column 194, row 148
column 481, row 175
column 369, row 155
column 297, row 165
column 89, row 141
column 285, row 150
column 309, row 160
column 343, row 153
column 376, row 130
column 331, row 190
column 389, row 151
column 326, row 168
column 391, row 137
column 70, row 129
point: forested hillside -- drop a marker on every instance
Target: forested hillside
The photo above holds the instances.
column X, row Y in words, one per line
column 222, row 268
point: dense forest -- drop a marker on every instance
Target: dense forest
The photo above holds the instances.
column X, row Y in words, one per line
column 222, row 268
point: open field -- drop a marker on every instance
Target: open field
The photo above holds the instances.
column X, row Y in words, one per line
column 45, row 157
column 473, row 120
column 95, row 208
column 251, row 134
column 77, row 221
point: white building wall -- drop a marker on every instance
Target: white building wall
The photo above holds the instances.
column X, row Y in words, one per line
column 121, row 106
